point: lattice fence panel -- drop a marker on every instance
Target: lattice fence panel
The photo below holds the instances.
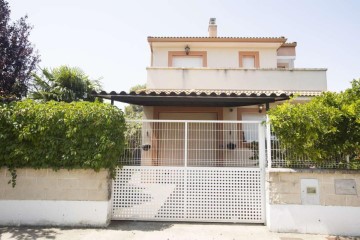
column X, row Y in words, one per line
column 224, row 195
column 188, row 194
column 148, row 193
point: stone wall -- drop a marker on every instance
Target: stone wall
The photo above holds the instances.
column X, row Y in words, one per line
column 46, row 184
column 285, row 186
column 313, row 201
column 56, row 198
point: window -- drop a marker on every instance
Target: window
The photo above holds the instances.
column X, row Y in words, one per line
column 251, row 132
column 192, row 59
column 248, row 62
column 187, row 61
column 249, row 59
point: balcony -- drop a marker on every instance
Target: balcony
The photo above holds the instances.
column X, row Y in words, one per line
column 297, row 79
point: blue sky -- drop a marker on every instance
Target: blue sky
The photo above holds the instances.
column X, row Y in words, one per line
column 108, row 38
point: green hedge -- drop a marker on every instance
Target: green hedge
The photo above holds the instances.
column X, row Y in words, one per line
column 325, row 129
column 60, row 135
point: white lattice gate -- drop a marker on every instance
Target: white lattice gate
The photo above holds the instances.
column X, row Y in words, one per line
column 210, row 173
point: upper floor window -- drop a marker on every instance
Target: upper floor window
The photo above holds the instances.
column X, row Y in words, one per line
column 192, row 59
column 188, row 61
column 249, row 59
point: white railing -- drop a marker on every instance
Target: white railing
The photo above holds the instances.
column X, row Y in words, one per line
column 181, row 143
column 194, row 143
column 279, row 157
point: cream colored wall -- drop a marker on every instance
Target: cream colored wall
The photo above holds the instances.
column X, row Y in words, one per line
column 237, row 79
column 284, row 187
column 220, row 57
column 147, row 136
column 227, row 114
column 230, row 113
column 46, row 184
column 148, row 112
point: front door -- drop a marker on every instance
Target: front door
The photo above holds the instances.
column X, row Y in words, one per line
column 202, row 142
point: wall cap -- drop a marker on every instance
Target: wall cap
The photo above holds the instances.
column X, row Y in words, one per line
column 312, row 170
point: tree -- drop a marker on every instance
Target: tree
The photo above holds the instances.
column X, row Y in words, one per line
column 326, row 128
column 17, row 55
column 63, row 84
column 135, row 111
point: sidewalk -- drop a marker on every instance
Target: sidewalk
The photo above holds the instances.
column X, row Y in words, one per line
column 124, row 230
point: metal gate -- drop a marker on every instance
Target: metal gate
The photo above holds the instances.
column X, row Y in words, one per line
column 192, row 171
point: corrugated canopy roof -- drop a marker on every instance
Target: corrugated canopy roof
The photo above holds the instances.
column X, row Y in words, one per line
column 201, row 98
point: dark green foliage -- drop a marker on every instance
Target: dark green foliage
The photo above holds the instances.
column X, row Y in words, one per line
column 17, row 56
column 65, row 84
column 60, row 135
column 325, row 129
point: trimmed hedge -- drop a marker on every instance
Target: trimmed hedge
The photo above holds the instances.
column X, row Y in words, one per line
column 60, row 135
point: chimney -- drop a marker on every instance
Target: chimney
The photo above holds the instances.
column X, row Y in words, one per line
column 212, row 28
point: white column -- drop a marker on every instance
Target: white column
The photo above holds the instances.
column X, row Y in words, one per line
column 262, row 159
column 268, row 142
column 262, row 151
column 186, row 144
column 185, row 170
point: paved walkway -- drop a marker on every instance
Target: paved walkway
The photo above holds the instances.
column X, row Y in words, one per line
column 121, row 230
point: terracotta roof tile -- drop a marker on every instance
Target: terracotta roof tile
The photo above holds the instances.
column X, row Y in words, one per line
column 289, row 44
column 215, row 39
column 204, row 92
column 199, row 92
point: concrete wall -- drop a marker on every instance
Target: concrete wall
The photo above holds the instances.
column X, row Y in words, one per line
column 314, row 201
column 237, row 79
column 47, row 197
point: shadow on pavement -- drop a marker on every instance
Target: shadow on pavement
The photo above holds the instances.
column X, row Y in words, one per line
column 156, row 226
column 343, row 238
column 139, row 226
column 24, row 233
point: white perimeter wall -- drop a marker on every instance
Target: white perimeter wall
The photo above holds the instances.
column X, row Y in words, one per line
column 334, row 207
column 334, row 220
column 54, row 213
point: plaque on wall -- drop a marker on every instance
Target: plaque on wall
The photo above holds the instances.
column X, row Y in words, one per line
column 345, row 187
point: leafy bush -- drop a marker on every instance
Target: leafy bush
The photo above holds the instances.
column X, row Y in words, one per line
column 60, row 135
column 325, row 129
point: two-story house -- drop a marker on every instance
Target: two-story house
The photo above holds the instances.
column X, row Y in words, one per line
column 217, row 78
column 199, row 153
column 223, row 72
